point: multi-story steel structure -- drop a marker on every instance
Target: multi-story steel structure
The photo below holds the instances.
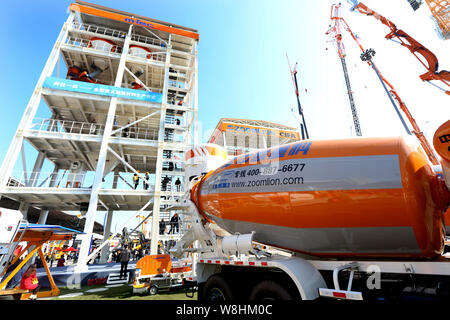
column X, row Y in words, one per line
column 126, row 106
column 240, row 136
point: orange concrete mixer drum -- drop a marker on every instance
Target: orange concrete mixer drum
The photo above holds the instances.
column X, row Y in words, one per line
column 441, row 142
column 365, row 197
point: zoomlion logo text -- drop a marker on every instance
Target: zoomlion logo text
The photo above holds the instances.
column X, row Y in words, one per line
column 139, row 22
column 260, row 131
column 268, row 155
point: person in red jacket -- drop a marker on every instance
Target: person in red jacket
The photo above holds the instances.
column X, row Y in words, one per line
column 61, row 261
column 30, row 281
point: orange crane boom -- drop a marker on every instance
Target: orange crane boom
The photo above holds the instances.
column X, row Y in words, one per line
column 366, row 56
column 414, row 46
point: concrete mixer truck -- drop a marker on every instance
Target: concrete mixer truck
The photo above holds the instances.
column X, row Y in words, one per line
column 356, row 219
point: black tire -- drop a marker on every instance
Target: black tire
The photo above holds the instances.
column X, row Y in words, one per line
column 268, row 290
column 153, row 290
column 217, row 290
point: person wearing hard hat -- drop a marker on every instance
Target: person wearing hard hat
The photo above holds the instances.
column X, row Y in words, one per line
column 136, row 180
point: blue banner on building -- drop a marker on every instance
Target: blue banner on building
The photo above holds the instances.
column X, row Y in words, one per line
column 101, row 89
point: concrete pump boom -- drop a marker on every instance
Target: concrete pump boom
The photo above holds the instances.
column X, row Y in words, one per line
column 303, row 129
column 367, row 55
column 414, row 46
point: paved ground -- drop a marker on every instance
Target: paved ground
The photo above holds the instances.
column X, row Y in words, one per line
column 117, row 292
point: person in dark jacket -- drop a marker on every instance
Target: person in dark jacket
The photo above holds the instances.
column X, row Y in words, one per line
column 174, row 223
column 162, row 226
column 165, row 181
column 124, row 258
column 178, row 185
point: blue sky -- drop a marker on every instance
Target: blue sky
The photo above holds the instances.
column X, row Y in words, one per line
column 243, row 71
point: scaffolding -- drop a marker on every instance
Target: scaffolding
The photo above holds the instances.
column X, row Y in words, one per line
column 127, row 106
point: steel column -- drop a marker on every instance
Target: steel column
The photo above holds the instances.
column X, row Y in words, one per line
column 33, row 104
column 44, row 213
column 195, row 109
column 159, row 159
column 92, row 210
column 36, row 170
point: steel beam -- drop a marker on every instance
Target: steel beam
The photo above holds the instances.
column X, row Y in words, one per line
column 133, row 123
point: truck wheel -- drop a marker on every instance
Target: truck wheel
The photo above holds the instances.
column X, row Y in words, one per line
column 153, row 290
column 216, row 289
column 268, row 290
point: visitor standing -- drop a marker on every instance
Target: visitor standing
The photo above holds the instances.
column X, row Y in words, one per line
column 124, row 258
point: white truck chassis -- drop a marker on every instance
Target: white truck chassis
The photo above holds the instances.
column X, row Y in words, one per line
column 229, row 262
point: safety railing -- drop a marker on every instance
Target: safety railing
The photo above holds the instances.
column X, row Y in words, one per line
column 88, row 128
column 62, row 179
column 13, row 182
column 155, row 56
column 168, row 185
column 173, row 228
column 171, row 155
column 95, row 45
column 170, row 225
column 171, row 136
column 79, row 180
column 65, row 126
column 106, row 47
column 170, row 166
column 117, row 34
column 99, row 30
column 177, row 84
column 148, row 40
column 137, row 133
column 173, row 120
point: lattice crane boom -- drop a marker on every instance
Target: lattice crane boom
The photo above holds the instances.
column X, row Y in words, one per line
column 440, row 9
column 335, row 30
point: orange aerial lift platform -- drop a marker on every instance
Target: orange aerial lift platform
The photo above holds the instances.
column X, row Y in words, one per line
column 36, row 235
